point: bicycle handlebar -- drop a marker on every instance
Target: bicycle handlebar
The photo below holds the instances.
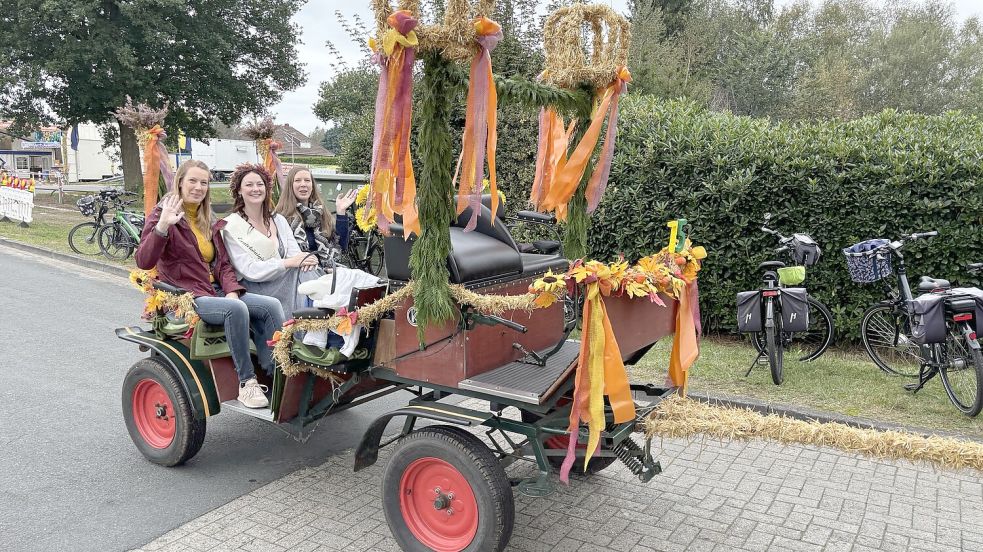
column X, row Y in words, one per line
column 920, row 235
column 975, row 267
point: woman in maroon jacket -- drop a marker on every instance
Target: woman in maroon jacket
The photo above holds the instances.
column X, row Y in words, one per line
column 178, row 239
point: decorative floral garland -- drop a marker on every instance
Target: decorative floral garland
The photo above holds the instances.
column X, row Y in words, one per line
column 158, row 302
column 665, row 272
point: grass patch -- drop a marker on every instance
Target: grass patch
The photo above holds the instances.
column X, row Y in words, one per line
column 50, row 228
column 846, row 382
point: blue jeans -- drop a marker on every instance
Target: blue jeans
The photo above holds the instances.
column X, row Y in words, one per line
column 262, row 314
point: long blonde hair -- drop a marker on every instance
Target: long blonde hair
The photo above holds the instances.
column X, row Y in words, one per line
column 205, row 216
column 287, row 206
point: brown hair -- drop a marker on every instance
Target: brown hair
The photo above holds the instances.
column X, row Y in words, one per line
column 287, row 206
column 205, row 218
column 235, row 186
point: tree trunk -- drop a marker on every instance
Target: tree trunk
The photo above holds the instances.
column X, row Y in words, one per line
column 129, row 151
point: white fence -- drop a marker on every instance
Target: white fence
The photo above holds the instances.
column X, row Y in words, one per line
column 17, row 199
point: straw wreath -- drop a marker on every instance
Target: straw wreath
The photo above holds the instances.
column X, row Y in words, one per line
column 567, row 62
column 455, row 37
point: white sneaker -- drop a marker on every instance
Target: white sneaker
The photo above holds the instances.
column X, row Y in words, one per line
column 251, row 394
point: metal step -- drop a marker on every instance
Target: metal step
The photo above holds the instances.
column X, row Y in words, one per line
column 525, row 382
column 264, row 414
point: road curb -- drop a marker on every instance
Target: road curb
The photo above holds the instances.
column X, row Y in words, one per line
column 810, row 414
column 65, row 257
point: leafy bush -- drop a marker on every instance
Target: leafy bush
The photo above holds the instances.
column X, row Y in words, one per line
column 842, row 182
column 310, row 159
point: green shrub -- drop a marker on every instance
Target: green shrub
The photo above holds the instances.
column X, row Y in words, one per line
column 841, row 182
column 310, row 159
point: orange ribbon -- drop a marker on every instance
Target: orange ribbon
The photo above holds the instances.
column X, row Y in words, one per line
column 568, row 176
column 151, row 164
column 685, row 346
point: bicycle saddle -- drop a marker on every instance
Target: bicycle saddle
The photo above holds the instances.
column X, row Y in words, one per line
column 771, row 265
column 932, row 284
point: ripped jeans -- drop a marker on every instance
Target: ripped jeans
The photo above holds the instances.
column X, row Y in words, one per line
column 261, row 313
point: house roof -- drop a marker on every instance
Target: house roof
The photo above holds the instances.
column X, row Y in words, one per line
column 292, row 139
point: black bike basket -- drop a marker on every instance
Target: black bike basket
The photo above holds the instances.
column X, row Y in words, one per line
column 977, row 295
column 805, row 251
column 749, row 311
column 864, row 262
column 928, row 322
column 87, row 205
column 795, row 310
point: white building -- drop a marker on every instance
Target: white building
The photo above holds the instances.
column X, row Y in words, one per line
column 91, row 161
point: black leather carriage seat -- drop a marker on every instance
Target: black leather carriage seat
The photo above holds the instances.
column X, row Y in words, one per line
column 487, row 253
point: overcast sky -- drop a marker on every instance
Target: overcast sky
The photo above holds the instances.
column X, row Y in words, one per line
column 318, row 24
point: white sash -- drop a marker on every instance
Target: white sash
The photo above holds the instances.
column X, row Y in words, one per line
column 253, row 241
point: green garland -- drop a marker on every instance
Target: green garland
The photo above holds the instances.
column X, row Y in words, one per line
column 575, row 231
column 428, row 260
column 532, row 95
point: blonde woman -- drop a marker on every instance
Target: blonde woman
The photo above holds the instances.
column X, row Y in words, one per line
column 314, row 227
column 178, row 239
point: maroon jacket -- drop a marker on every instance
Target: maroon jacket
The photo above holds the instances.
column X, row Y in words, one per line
column 178, row 259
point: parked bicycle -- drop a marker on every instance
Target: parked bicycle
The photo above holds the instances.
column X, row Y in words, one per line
column 83, row 237
column 931, row 335
column 120, row 238
column 781, row 316
column 364, row 250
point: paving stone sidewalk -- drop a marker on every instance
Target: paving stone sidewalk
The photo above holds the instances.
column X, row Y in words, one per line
column 710, row 496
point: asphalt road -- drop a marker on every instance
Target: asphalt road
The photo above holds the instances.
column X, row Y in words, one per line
column 70, row 478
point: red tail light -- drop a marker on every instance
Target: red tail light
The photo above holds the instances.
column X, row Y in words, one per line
column 972, row 335
column 769, row 293
column 963, row 317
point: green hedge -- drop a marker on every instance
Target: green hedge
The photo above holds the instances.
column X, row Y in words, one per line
column 309, row 159
column 841, row 182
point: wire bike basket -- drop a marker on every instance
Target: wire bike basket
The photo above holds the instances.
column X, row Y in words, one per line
column 865, row 263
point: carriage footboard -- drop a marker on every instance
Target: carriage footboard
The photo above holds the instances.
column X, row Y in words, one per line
column 526, row 382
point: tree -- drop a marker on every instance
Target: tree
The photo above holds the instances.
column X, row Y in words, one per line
column 77, row 60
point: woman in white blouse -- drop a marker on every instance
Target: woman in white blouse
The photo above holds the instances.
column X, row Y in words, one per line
column 261, row 245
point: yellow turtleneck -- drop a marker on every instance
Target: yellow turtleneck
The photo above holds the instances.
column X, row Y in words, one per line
column 204, row 241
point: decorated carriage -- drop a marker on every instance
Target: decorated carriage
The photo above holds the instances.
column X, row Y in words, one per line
column 467, row 320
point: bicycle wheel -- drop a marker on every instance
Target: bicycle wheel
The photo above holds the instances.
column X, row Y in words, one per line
column 810, row 344
column 962, row 370
column 115, row 242
column 776, row 354
column 82, row 239
column 885, row 331
column 375, row 261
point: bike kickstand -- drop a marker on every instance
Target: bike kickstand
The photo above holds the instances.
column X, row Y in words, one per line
column 753, row 364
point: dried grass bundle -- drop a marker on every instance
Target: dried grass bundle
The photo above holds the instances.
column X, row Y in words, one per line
column 681, row 417
column 567, row 61
column 141, row 117
column 262, row 129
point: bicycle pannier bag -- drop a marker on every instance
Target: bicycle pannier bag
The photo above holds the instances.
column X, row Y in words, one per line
column 749, row 311
column 928, row 324
column 977, row 294
column 805, row 251
column 795, row 310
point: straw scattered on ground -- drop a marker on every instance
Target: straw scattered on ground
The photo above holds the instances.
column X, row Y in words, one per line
column 680, row 417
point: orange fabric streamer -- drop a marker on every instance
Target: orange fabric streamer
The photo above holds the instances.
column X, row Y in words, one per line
column 600, row 373
column 392, row 183
column 685, row 346
column 569, row 176
column 551, row 156
column 480, row 134
column 151, row 165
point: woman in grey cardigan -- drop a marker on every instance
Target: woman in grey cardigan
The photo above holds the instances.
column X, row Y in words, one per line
column 261, row 245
